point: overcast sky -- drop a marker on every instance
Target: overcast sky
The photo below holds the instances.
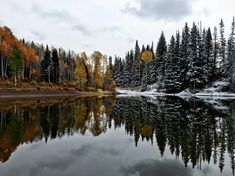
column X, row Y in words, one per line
column 110, row 26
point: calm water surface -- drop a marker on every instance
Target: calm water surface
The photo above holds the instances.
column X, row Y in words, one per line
column 126, row 136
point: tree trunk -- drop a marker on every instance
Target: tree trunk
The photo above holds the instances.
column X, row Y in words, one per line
column 2, row 68
column 49, row 76
column 5, row 69
column 15, row 79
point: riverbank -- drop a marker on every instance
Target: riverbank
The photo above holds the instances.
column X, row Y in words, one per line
column 44, row 90
column 18, row 93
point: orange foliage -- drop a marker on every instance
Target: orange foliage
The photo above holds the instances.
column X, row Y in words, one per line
column 8, row 40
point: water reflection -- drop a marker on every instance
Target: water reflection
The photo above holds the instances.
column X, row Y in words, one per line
column 192, row 131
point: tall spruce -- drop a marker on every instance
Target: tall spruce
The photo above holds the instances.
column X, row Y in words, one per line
column 172, row 78
column 208, row 48
column 231, row 50
column 136, row 75
column 184, row 53
column 55, row 66
column 195, row 71
column 215, row 50
column 161, row 52
column 127, row 70
column 46, row 66
column 231, row 57
column 222, row 45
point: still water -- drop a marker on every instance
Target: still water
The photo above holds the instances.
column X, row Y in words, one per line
column 125, row 136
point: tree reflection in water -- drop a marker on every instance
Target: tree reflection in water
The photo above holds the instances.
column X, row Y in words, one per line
column 193, row 131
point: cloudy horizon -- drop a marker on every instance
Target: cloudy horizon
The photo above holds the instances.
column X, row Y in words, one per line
column 109, row 26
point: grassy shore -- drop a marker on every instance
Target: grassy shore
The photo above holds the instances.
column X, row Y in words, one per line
column 42, row 90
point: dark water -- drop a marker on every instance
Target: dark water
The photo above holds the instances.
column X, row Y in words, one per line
column 165, row 136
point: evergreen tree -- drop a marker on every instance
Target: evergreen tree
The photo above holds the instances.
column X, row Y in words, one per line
column 55, row 66
column 161, row 56
column 208, row 48
column 127, row 69
column 136, row 67
column 117, row 71
column 195, row 73
column 184, row 53
column 152, row 67
column 215, row 50
column 172, row 79
column 203, row 57
column 222, row 56
column 137, row 50
column 46, row 66
column 110, row 64
column 143, row 49
column 231, row 51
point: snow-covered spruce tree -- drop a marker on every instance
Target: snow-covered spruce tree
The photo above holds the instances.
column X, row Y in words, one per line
column 136, row 68
column 215, row 51
column 195, row 74
column 117, row 71
column 231, row 50
column 152, row 67
column 208, row 49
column 127, row 69
column 184, row 54
column 172, row 78
column 231, row 57
column 203, row 57
column 161, row 56
column 135, row 74
column 222, row 49
column 152, row 71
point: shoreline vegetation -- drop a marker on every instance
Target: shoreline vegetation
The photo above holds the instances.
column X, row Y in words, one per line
column 32, row 70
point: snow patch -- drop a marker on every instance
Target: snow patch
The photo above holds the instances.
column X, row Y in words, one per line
column 213, row 92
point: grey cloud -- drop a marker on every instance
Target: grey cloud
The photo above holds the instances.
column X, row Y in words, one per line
column 161, row 9
column 110, row 152
column 83, row 150
column 38, row 35
column 112, row 28
column 88, row 148
column 16, row 7
column 82, row 28
column 60, row 15
column 53, row 164
column 152, row 167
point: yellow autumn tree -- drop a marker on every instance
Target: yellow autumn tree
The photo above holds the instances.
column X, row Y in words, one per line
column 80, row 73
column 97, row 74
column 109, row 83
column 88, row 68
column 146, row 58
